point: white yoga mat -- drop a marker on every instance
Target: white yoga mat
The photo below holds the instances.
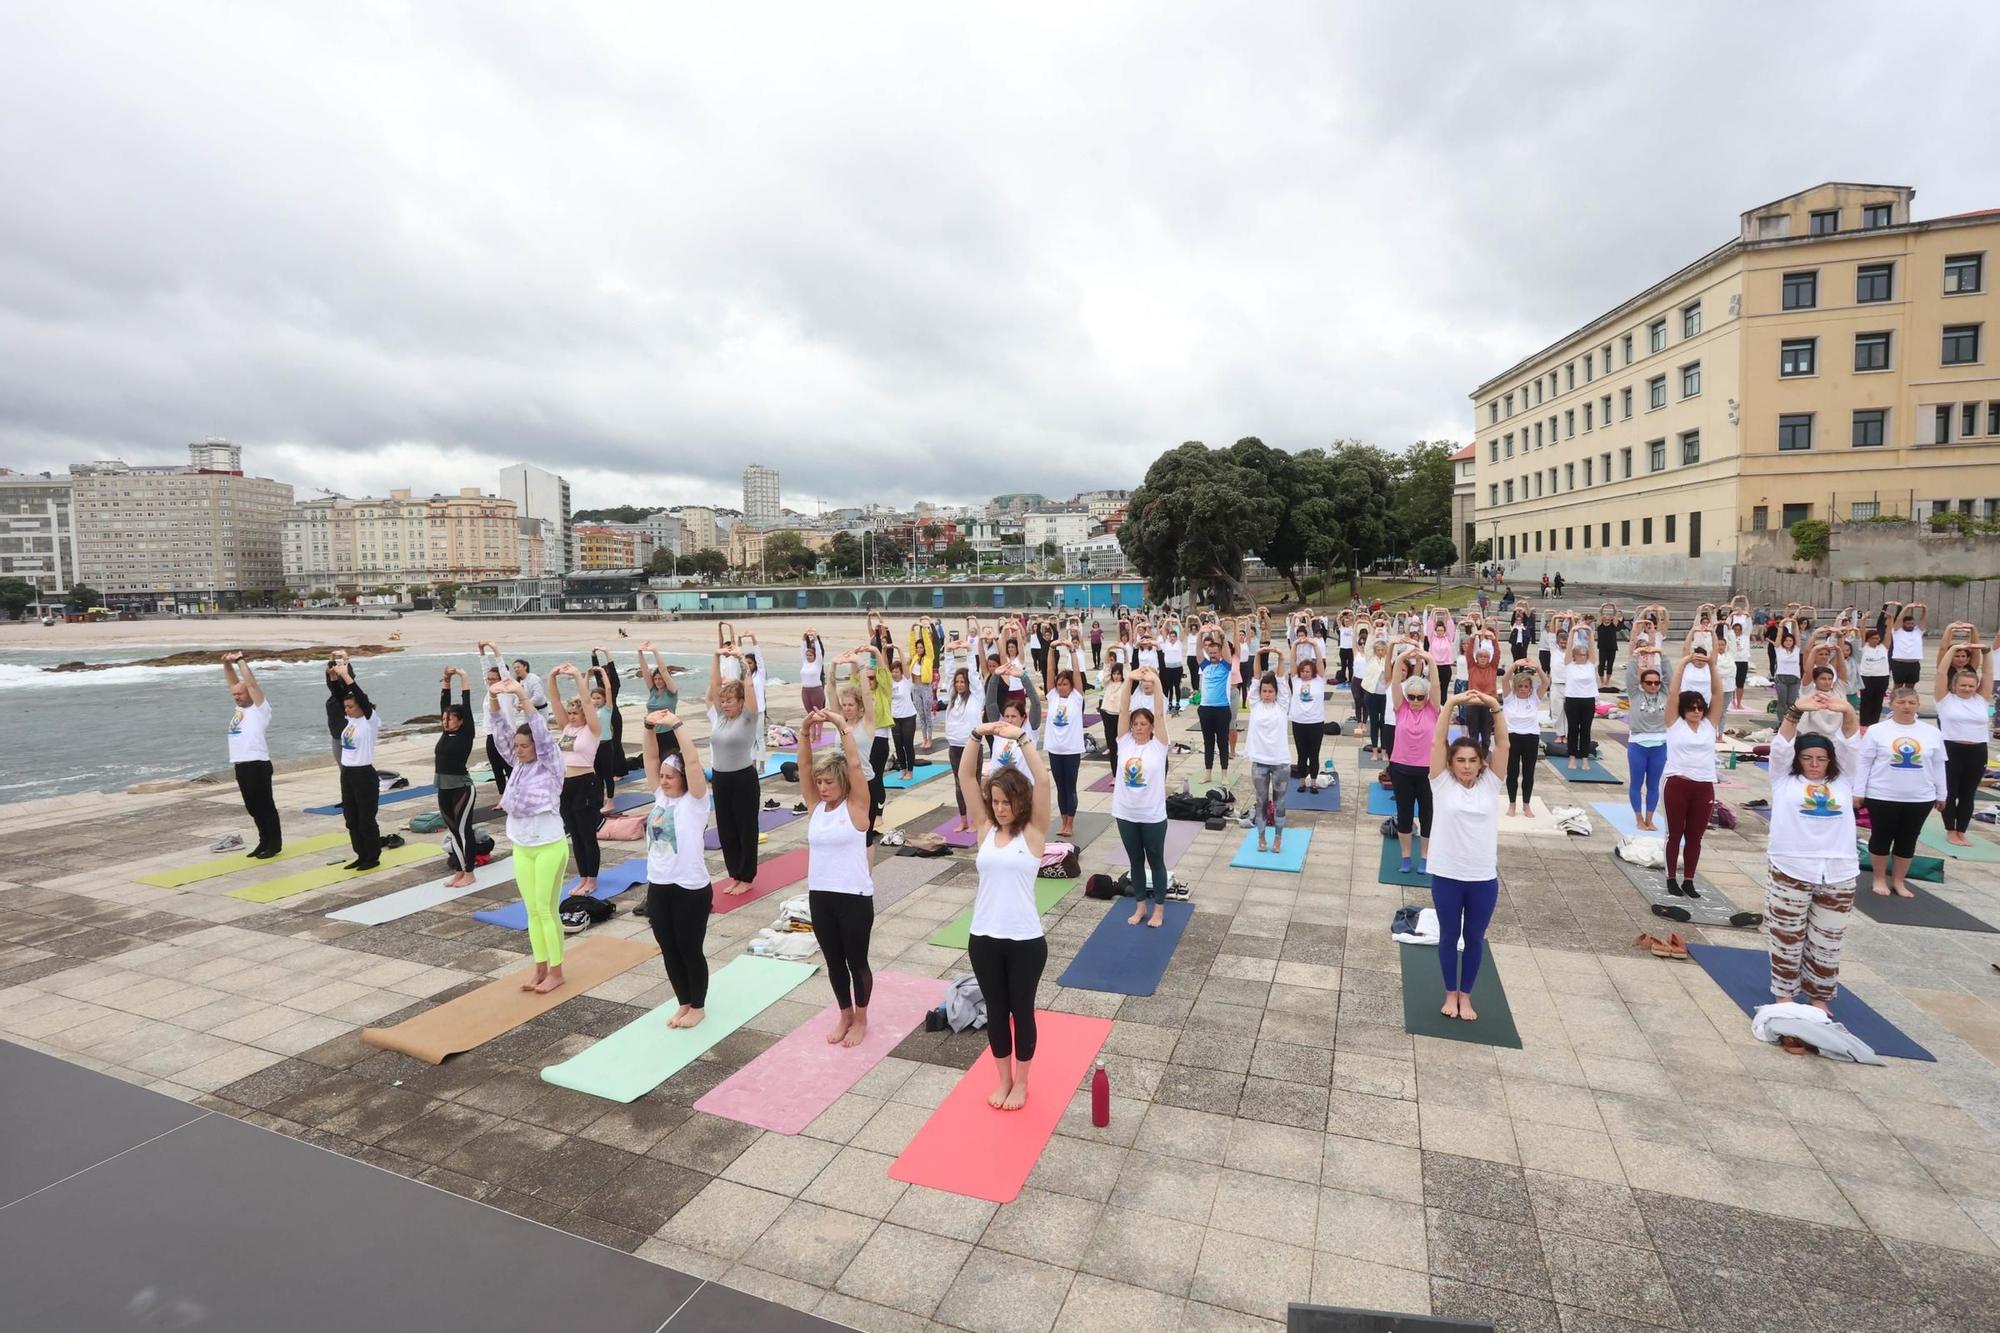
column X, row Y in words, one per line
column 408, row 902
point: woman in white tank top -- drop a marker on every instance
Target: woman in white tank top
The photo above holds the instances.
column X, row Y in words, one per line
column 840, row 887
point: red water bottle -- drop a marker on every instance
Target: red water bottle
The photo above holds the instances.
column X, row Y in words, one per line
column 1100, row 1096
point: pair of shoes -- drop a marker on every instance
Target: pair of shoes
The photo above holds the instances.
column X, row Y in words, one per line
column 264, row 853
column 367, row 865
column 575, row 921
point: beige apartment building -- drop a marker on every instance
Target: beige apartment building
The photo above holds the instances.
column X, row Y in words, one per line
column 165, row 537
column 342, row 546
column 1834, row 361
column 698, row 532
column 745, row 547
column 612, row 546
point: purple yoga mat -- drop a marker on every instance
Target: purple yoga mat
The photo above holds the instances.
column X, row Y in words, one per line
column 1181, row 833
column 767, row 821
column 949, row 831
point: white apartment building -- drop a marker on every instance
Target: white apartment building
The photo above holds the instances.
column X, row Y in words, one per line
column 1063, row 527
column 760, row 493
column 200, row 535
column 37, row 533
column 402, row 541
column 1095, row 557
column 540, row 494
column 664, row 528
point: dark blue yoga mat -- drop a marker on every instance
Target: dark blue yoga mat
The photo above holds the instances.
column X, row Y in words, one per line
column 1745, row 976
column 1326, row 799
column 1125, row 959
column 386, row 798
column 610, row 883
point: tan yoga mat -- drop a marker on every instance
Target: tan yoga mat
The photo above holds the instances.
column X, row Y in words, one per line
column 501, row 1006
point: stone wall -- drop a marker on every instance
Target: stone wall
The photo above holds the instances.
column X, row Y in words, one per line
column 1881, row 550
column 1977, row 600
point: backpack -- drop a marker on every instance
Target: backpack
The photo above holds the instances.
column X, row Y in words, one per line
column 430, row 821
column 1060, row 861
column 482, row 850
column 621, row 828
column 1180, row 806
column 594, row 908
column 924, row 844
column 1100, row 886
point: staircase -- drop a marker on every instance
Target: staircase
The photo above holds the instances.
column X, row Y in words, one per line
column 1680, row 602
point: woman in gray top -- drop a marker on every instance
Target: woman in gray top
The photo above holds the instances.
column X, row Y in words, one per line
column 1646, row 750
column 734, row 723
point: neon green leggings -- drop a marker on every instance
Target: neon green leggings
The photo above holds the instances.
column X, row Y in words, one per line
column 538, row 873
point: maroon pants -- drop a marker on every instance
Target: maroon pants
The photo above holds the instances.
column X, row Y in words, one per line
column 1686, row 803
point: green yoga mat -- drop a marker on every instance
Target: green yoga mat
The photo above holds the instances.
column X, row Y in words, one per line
column 1423, row 995
column 1390, row 872
column 1927, row 868
column 319, row 877
column 957, row 932
column 645, row 1053
column 1932, row 836
column 216, row 867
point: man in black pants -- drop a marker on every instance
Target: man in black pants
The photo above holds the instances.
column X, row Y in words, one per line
column 360, row 789
column 250, row 753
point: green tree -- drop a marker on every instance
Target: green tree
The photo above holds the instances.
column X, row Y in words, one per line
column 1481, row 552
column 843, row 555
column 1810, row 539
column 85, row 596
column 960, row 554
column 1434, row 552
column 703, row 564
column 1423, row 491
column 662, row 564
column 614, row 514
column 781, row 549
column 16, row 596
column 447, row 593
column 1192, row 520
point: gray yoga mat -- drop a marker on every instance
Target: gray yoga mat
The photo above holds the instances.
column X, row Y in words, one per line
column 1712, row 908
column 1926, row 909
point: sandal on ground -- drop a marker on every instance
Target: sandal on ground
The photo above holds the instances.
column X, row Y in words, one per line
column 1671, row 912
column 1793, row 1046
column 1677, row 947
column 1757, row 919
column 1654, row 944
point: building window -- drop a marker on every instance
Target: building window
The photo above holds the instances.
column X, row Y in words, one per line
column 1943, row 423
column 1586, row 536
column 1493, row 451
column 1870, row 426
column 1656, row 455
column 1625, row 403
column 1509, row 444
column 1656, row 336
column 1493, row 494
column 1569, row 476
column 1509, row 400
column 1645, row 532
column 1968, row 419
column 1625, row 344
column 1569, row 539
column 1510, row 492
column 1656, row 392
column 1795, row 431
column 1961, row 344
column 1604, row 535
column 1586, row 416
column 1538, row 390
column 1691, row 319
column 1538, row 539
column 1876, row 216
column 1691, row 380
column 1961, row 273
column 1760, row 518
column 1690, row 447
column 1538, row 434
column 1569, row 423
column 1796, row 356
column 1624, row 532
column 1826, row 222
column 1586, row 472
column 1552, row 430
column 1569, row 374
column 1604, row 471
column 1589, row 367
column 1861, row 510
column 1801, row 290
column 1871, row 351
column 1605, row 403
column 1872, row 282
column 1670, row 529
column 1538, row 485
column 1625, row 463
column 1793, row 515
column 1993, row 418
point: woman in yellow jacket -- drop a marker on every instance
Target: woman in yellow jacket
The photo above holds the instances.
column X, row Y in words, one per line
column 923, row 676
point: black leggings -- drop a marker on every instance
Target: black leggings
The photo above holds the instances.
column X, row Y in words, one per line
column 679, row 918
column 360, row 793
column 1306, row 738
column 1008, row 972
column 906, row 742
column 842, row 923
column 1215, row 720
column 1478, row 723
column 1607, row 653
column 1873, row 688
column 1111, row 741
column 736, row 821
column 957, row 752
column 1522, row 752
column 502, row 762
column 1064, row 768
column 1381, row 731
column 455, row 804
column 1170, row 681
column 1893, row 827
column 610, row 763
column 253, row 779
column 1579, row 713
column 1964, row 766
column 582, row 809
column 1413, row 792
column 878, row 795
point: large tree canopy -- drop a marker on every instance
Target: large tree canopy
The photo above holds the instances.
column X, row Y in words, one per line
column 1194, row 517
column 1423, row 492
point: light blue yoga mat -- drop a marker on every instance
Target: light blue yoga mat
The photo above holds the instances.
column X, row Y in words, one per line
column 610, row 883
column 1381, row 801
column 919, row 775
column 1293, row 858
column 1619, row 815
column 645, row 1053
column 1125, row 959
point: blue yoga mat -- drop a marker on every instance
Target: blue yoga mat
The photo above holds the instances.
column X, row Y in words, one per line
column 632, row 800
column 1293, row 858
column 387, row 798
column 919, row 775
column 1125, row 959
column 1619, row 815
column 1381, row 801
column 610, row 883
column 1745, row 976
column 1325, row 799
column 1592, row 771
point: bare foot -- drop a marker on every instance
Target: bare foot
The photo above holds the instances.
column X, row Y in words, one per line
column 534, row 982
column 587, row 886
column 1450, row 1006
column 1902, row 891
column 1465, row 1009
column 738, row 888
column 997, row 1099
column 1510, row 812
column 693, row 1018
column 964, row 826
column 553, row 981
column 1278, row 844
column 1957, row 839
column 1159, row 915
column 1068, row 830
column 1881, row 889
column 840, row 1027
column 1017, row 1097
column 1824, row 1006
column 679, row 1014
column 857, row 1031
column 1138, row 914
column 1261, row 848
column 458, row 881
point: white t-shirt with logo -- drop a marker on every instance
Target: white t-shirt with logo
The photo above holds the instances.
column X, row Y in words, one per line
column 1062, row 723
column 1265, row 741
column 247, row 728
column 1903, row 761
column 674, row 830
column 1139, row 783
column 357, row 741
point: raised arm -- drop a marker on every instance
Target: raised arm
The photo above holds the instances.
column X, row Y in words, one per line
column 968, row 781
column 236, row 667
column 1441, row 734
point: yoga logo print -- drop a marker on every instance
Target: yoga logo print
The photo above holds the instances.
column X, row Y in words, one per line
column 236, row 723
column 1906, row 752
column 1135, row 772
column 1819, row 802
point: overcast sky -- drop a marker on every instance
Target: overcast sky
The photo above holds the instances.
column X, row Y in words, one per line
column 898, row 252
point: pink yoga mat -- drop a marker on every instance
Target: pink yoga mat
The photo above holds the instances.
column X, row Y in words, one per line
column 1102, row 784
column 780, row 872
column 968, row 1147
column 790, row 1085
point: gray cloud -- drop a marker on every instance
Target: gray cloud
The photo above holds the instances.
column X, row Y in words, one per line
column 898, row 253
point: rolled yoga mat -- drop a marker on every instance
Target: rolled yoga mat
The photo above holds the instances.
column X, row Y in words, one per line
column 216, row 867
column 1745, row 976
column 611, row 882
column 793, row 1083
column 1125, row 959
column 968, row 1147
column 1291, row 859
column 320, row 877
column 957, row 932
column 1927, row 868
column 500, row 1006
column 408, row 902
column 645, row 1053
column 1711, row 907
column 1423, row 997
column 768, row 821
column 1926, row 909
column 1389, row 870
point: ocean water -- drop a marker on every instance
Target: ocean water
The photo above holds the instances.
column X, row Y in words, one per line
column 105, row 730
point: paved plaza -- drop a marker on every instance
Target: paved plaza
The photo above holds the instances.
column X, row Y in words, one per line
column 1276, row 1134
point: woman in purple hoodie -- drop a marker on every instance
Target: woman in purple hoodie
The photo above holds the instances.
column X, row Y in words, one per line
column 535, row 826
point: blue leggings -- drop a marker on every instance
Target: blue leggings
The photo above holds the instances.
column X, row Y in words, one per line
column 1464, row 906
column 1647, row 762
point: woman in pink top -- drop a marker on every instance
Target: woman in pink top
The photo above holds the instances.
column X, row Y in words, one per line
column 1415, row 688
column 583, row 790
column 1441, row 633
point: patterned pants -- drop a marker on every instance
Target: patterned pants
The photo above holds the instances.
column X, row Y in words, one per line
column 1804, row 924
